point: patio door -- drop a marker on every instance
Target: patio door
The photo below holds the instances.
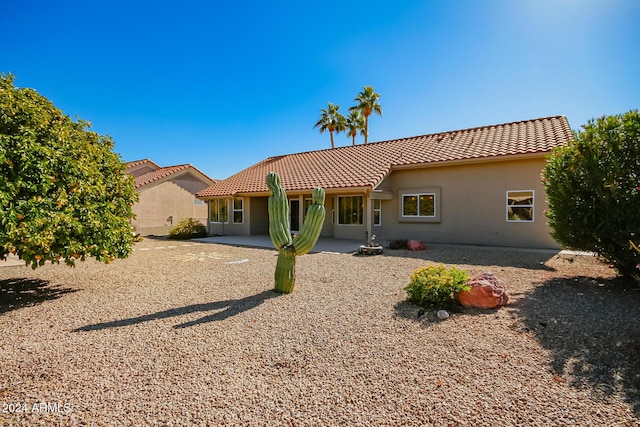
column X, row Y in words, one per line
column 294, row 214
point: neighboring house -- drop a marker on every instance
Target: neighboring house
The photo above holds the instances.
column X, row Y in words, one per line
column 473, row 186
column 167, row 195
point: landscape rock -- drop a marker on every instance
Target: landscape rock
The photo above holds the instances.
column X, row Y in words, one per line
column 414, row 245
column 487, row 291
column 443, row 314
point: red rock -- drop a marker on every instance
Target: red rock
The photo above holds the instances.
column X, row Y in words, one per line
column 487, row 291
column 414, row 245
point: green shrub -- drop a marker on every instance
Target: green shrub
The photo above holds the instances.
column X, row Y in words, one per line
column 434, row 286
column 593, row 188
column 188, row 228
column 398, row 244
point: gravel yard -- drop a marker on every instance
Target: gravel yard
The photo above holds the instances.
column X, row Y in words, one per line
column 186, row 333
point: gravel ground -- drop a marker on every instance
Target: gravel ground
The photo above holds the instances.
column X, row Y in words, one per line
column 186, row 333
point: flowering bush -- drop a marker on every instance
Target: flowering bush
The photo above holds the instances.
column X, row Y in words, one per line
column 434, row 286
column 593, row 189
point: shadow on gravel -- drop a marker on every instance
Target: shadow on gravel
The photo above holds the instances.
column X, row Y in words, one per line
column 411, row 311
column 591, row 326
column 479, row 255
column 24, row 292
column 231, row 308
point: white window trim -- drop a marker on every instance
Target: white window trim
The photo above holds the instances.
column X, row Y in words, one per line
column 417, row 191
column 234, row 210
column 417, row 195
column 532, row 206
column 379, row 210
column 338, row 211
column 226, row 201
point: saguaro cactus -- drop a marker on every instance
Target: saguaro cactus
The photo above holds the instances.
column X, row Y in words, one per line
column 280, row 233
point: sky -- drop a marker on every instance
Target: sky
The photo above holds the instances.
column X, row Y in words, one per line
column 224, row 85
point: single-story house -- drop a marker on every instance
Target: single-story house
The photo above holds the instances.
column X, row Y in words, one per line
column 166, row 196
column 472, row 186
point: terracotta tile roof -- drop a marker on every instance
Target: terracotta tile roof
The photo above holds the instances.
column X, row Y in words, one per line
column 367, row 165
column 164, row 172
column 135, row 163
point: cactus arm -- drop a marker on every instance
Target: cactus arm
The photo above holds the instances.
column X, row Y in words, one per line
column 312, row 226
column 278, row 212
column 285, row 275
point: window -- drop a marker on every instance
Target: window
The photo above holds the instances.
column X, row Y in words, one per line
column 238, row 210
column 377, row 212
column 419, row 205
column 520, row 206
column 350, row 210
column 218, row 210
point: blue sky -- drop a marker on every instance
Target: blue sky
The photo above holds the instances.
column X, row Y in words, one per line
column 223, row 85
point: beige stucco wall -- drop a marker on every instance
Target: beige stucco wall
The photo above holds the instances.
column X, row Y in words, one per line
column 230, row 228
column 173, row 198
column 259, row 216
column 256, row 217
column 348, row 231
column 472, row 205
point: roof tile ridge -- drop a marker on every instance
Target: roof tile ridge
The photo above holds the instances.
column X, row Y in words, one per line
column 455, row 131
column 183, row 165
column 138, row 161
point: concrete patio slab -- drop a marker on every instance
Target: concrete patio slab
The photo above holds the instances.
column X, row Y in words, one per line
column 324, row 244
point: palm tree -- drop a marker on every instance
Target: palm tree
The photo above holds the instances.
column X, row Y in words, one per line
column 331, row 120
column 367, row 103
column 355, row 123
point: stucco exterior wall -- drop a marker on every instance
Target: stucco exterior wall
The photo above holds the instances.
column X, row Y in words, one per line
column 162, row 206
column 256, row 217
column 347, row 231
column 471, row 207
column 471, row 203
column 259, row 216
column 230, row 227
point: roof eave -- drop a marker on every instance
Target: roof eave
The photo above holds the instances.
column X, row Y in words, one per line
column 188, row 170
column 473, row 160
column 336, row 190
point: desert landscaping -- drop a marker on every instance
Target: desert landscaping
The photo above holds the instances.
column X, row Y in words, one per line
column 191, row 333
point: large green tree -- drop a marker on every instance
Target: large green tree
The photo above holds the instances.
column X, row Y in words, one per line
column 354, row 123
column 367, row 104
column 64, row 193
column 593, row 189
column 331, row 120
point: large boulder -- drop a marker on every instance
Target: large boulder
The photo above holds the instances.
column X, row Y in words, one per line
column 487, row 291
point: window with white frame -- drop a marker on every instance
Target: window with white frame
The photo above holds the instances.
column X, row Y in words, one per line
column 238, row 210
column 350, row 209
column 218, row 210
column 520, row 206
column 419, row 205
column 377, row 212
